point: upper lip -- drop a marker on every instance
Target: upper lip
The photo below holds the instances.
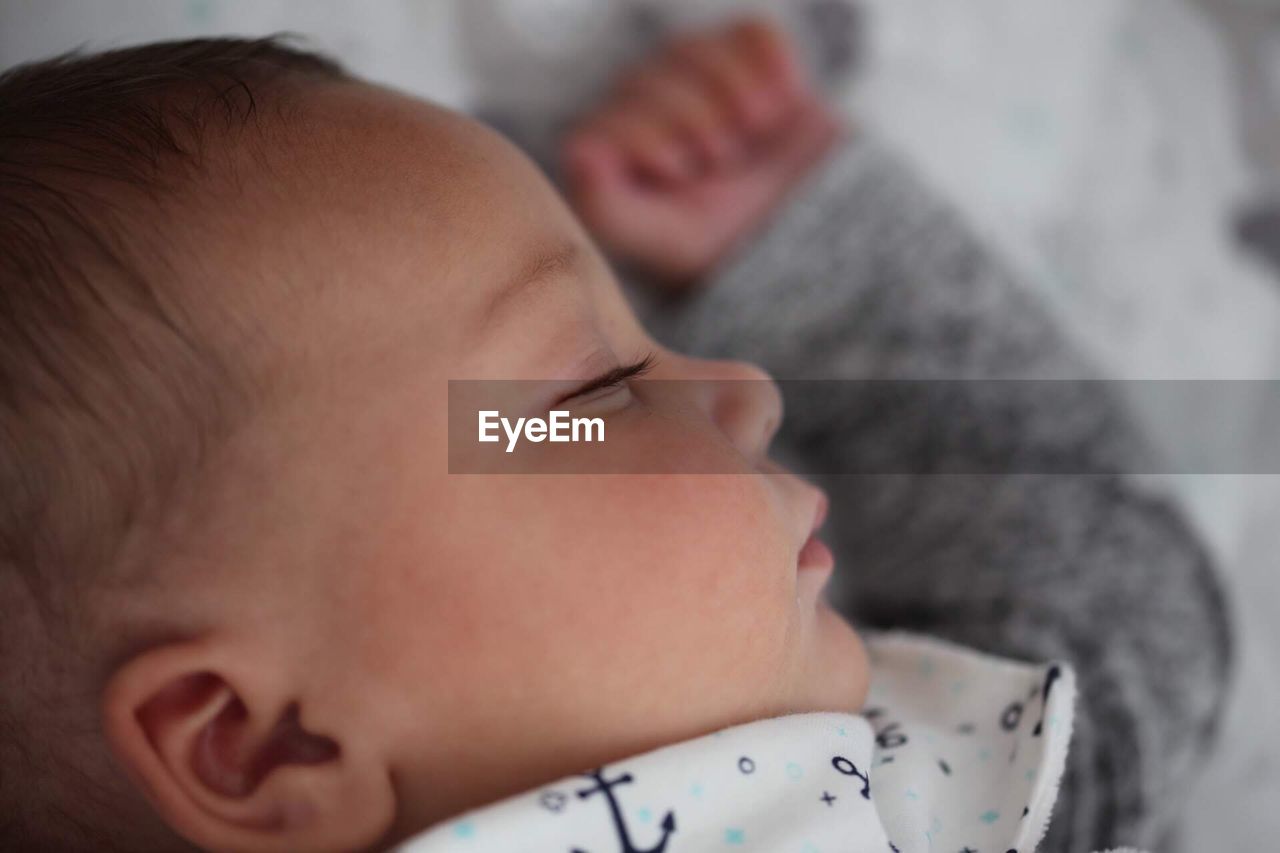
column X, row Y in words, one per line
column 818, row 497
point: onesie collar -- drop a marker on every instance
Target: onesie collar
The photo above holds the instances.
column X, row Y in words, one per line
column 953, row 750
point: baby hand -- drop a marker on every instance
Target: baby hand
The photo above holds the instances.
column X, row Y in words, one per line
column 693, row 148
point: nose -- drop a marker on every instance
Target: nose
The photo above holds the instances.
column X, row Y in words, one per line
column 744, row 401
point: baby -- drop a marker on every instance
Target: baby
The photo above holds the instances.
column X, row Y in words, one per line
column 247, row 606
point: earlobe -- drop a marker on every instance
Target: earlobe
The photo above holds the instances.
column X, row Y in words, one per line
column 226, row 757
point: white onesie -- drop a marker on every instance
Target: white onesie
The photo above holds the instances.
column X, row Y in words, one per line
column 954, row 751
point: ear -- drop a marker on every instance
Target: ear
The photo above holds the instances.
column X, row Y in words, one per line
column 231, row 760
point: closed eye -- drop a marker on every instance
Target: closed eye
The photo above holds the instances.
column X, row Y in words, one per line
column 613, row 378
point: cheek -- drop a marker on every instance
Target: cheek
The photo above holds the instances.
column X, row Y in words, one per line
column 709, row 539
column 613, row 606
column 674, row 586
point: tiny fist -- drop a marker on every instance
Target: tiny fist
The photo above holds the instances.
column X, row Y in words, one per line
column 583, row 155
column 694, row 148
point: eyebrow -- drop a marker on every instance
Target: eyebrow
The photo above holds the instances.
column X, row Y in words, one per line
column 542, row 266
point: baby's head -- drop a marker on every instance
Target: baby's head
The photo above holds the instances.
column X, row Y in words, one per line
column 244, row 602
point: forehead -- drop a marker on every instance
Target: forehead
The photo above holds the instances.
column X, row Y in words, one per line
column 392, row 214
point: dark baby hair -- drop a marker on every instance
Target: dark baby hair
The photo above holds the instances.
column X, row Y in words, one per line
column 109, row 395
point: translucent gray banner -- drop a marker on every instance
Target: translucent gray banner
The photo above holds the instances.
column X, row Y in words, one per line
column 867, row 426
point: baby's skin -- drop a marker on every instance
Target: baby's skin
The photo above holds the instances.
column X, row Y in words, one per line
column 693, row 147
column 380, row 644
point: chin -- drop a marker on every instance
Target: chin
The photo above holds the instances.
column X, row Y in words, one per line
column 840, row 671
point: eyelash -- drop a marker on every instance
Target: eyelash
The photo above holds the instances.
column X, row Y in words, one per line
column 614, row 378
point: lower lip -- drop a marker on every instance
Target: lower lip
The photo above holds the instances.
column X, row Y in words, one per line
column 815, row 556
